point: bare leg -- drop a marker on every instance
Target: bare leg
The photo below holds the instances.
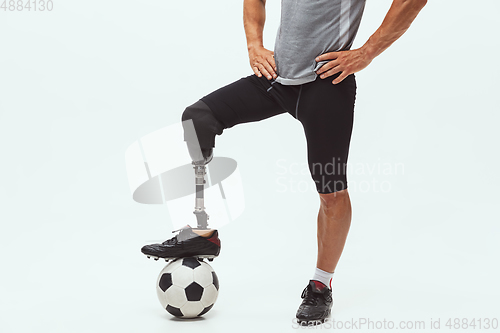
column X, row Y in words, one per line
column 334, row 220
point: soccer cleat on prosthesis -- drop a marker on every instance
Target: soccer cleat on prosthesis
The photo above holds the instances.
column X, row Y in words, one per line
column 200, row 243
column 316, row 304
column 186, row 243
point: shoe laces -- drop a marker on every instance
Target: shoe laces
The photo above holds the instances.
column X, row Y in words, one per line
column 309, row 296
column 174, row 240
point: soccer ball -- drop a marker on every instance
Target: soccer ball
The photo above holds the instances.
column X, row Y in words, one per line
column 187, row 287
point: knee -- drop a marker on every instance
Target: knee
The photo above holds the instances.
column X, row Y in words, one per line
column 196, row 113
column 330, row 200
column 202, row 117
column 200, row 125
column 190, row 113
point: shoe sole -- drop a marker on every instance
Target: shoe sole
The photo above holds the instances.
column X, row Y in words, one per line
column 313, row 322
column 210, row 257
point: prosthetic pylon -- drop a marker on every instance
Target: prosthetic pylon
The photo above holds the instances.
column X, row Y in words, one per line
column 199, row 209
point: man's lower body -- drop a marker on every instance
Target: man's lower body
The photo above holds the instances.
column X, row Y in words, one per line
column 326, row 112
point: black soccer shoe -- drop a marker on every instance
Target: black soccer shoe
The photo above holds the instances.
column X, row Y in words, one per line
column 316, row 304
column 185, row 244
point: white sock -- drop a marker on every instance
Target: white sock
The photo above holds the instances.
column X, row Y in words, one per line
column 324, row 277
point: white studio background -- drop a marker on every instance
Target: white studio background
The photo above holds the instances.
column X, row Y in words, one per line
column 79, row 84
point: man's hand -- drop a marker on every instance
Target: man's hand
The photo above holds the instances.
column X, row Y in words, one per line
column 262, row 62
column 396, row 22
column 347, row 62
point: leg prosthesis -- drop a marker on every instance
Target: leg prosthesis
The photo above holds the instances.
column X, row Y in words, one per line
column 200, row 127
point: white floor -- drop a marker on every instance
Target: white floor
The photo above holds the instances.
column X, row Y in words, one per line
column 75, row 270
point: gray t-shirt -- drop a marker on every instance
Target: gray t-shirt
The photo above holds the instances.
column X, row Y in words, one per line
column 309, row 28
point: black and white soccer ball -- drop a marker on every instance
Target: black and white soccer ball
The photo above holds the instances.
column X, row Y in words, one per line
column 187, row 287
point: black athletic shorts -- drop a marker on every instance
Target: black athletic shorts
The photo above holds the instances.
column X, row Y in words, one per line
column 325, row 110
